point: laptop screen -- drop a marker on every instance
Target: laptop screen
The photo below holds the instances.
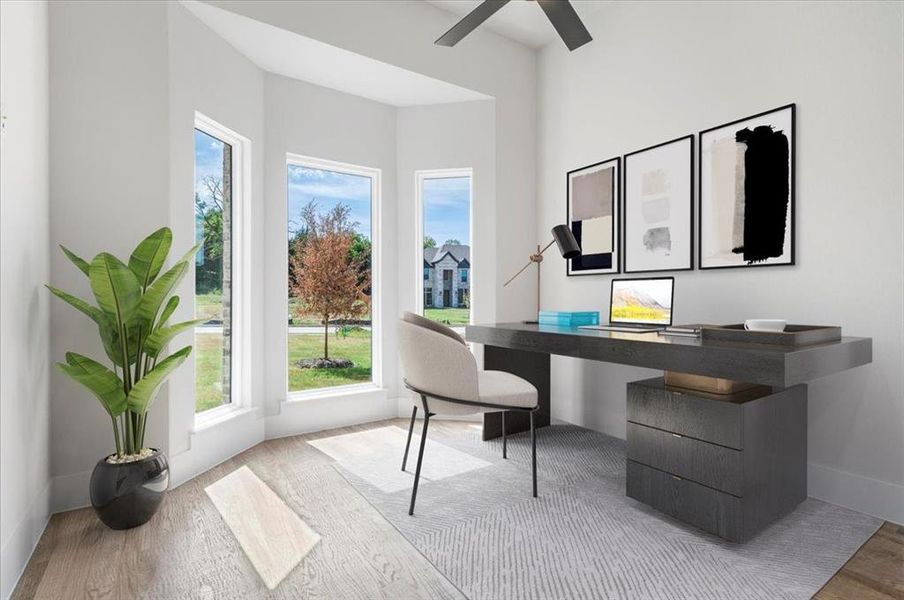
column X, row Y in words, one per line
column 642, row 301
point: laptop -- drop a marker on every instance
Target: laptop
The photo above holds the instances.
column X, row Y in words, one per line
column 639, row 305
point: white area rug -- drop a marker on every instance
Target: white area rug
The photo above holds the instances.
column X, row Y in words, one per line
column 274, row 538
column 583, row 538
column 375, row 456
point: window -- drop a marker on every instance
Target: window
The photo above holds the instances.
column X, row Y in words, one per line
column 331, row 276
column 426, row 273
column 219, row 191
column 444, row 222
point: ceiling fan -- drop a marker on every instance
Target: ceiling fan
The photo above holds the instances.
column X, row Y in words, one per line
column 559, row 12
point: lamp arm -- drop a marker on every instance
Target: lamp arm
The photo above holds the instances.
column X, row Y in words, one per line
column 534, row 258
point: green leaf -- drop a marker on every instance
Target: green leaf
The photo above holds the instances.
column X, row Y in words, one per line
column 153, row 297
column 102, row 382
column 145, row 390
column 109, row 334
column 79, row 262
column 168, row 310
column 115, row 287
column 95, row 313
column 190, row 255
column 162, row 336
column 148, row 258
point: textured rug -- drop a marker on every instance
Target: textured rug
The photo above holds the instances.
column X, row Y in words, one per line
column 583, row 538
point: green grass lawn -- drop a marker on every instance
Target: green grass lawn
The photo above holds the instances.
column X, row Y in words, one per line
column 208, row 351
column 448, row 316
column 355, row 347
column 209, row 306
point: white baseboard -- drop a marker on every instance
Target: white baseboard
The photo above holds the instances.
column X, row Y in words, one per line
column 864, row 494
column 318, row 413
column 18, row 548
column 215, row 444
column 70, row 492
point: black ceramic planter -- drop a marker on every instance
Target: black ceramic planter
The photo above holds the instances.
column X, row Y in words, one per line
column 127, row 495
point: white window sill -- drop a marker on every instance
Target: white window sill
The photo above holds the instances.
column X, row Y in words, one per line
column 218, row 416
column 342, row 391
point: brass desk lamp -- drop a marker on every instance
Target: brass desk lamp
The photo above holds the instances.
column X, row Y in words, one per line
column 568, row 248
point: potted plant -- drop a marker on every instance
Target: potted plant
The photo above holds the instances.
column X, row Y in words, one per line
column 132, row 316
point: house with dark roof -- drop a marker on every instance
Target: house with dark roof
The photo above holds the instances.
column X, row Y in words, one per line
column 447, row 276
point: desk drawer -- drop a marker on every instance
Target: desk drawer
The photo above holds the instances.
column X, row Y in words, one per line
column 684, row 412
column 714, row 466
column 713, row 511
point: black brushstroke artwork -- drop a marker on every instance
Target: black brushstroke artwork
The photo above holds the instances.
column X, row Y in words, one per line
column 766, row 193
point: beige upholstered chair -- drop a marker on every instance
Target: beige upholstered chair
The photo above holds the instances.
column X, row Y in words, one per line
column 438, row 367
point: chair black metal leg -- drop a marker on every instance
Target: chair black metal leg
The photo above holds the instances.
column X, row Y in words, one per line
column 410, row 429
column 420, row 458
column 533, row 450
column 504, row 453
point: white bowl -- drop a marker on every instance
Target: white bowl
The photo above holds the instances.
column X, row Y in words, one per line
column 764, row 324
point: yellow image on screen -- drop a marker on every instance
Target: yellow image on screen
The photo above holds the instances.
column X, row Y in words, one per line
column 642, row 301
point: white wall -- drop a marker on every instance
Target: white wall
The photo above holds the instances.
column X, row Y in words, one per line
column 209, row 76
column 402, row 33
column 313, row 121
column 109, row 186
column 24, row 303
column 657, row 71
column 446, row 136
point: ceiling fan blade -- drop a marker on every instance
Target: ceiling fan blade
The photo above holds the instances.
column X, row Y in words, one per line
column 472, row 20
column 566, row 21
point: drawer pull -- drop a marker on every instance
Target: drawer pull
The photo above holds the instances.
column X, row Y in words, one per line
column 676, row 478
column 677, row 435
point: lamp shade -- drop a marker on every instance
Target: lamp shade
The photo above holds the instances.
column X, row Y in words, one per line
column 568, row 246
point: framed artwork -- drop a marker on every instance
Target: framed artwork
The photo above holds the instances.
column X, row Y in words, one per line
column 593, row 213
column 747, row 192
column 658, row 230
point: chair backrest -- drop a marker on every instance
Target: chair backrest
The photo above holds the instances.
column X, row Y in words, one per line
column 439, row 364
column 432, row 325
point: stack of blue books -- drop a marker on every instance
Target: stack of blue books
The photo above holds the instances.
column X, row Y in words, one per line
column 569, row 319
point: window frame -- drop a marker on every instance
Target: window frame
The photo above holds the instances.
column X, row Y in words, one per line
column 420, row 177
column 376, row 275
column 240, row 250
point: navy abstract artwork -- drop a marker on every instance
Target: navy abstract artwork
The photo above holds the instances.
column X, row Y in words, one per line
column 594, row 214
column 747, row 191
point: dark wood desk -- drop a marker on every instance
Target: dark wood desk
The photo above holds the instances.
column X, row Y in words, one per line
column 728, row 464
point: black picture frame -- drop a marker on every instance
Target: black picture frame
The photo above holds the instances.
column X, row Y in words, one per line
column 690, row 201
column 792, row 206
column 615, row 261
column 612, row 291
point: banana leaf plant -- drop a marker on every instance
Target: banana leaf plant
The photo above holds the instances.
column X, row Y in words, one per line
column 132, row 317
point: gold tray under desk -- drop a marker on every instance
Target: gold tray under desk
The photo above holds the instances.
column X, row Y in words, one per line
column 703, row 383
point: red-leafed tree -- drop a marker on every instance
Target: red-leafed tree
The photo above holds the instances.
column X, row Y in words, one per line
column 329, row 278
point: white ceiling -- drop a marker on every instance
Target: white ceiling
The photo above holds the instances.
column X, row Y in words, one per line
column 292, row 55
column 521, row 20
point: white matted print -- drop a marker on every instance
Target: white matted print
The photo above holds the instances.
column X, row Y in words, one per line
column 594, row 213
column 659, row 192
column 747, row 191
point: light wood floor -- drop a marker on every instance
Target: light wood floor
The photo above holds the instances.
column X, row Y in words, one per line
column 187, row 551
column 875, row 572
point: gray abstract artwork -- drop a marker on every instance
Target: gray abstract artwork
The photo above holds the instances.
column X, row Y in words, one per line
column 658, row 239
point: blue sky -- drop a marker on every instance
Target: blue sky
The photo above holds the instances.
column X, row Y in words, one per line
column 447, row 209
column 208, row 160
column 446, row 201
column 329, row 188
